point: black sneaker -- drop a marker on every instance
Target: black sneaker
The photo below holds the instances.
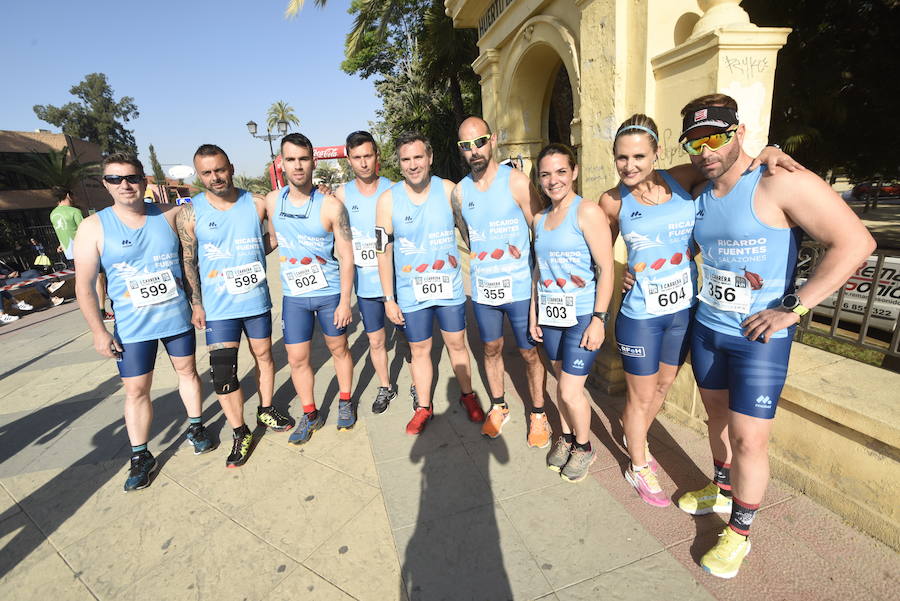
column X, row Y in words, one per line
column 200, row 439
column 272, row 419
column 143, row 464
column 240, row 450
column 383, row 399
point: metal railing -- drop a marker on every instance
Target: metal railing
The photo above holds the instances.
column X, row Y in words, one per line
column 864, row 312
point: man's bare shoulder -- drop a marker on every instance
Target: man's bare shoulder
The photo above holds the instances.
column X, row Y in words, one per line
column 780, row 180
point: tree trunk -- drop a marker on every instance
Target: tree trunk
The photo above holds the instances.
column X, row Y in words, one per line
column 459, row 109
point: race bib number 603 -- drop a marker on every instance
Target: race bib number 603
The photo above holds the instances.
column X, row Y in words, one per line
column 557, row 309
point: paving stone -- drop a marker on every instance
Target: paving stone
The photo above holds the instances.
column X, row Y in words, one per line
column 511, row 467
column 305, row 584
column 348, row 452
column 391, row 442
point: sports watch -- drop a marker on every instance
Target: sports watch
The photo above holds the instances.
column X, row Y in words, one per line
column 791, row 302
column 601, row 315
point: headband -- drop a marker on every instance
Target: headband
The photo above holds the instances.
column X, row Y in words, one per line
column 640, row 127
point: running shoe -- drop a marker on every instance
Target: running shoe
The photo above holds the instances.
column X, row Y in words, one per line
column 54, row 287
column 473, row 407
column 706, row 500
column 539, row 431
column 650, row 460
column 496, row 419
column 7, row 318
column 200, row 439
column 383, row 399
column 305, row 428
column 346, row 415
column 23, row 306
column 57, row 301
column 577, row 466
column 240, row 450
column 143, row 465
column 725, row 558
column 419, row 420
column 273, row 419
column 108, row 317
column 559, row 454
column 647, row 486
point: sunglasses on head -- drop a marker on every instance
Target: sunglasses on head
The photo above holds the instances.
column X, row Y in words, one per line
column 713, row 142
column 115, row 180
column 478, row 142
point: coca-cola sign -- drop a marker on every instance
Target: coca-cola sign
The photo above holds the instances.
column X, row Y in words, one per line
column 329, row 152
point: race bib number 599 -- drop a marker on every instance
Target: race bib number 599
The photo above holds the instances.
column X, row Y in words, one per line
column 151, row 288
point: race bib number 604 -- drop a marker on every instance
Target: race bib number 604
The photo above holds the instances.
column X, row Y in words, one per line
column 667, row 295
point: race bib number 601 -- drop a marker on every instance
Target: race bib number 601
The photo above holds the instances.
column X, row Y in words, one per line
column 432, row 286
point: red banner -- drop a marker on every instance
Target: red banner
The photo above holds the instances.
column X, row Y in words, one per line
column 329, row 152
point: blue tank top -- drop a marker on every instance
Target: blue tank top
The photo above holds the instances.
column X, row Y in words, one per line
column 499, row 241
column 232, row 258
column 308, row 265
column 143, row 267
column 361, row 210
column 658, row 239
column 426, row 257
column 564, row 259
column 747, row 265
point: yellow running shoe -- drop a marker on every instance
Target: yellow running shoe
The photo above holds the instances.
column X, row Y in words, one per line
column 496, row 419
column 724, row 560
column 706, row 500
column 539, row 431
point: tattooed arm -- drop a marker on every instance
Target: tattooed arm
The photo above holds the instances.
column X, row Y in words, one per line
column 343, row 250
column 184, row 224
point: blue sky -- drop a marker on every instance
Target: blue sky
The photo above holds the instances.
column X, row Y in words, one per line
column 198, row 70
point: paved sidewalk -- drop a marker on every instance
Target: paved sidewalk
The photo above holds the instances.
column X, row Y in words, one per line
column 366, row 514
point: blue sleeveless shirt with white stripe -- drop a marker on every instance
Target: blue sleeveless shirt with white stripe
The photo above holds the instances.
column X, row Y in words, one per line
column 361, row 210
column 129, row 253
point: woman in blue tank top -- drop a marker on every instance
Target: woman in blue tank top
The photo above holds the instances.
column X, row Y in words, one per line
column 573, row 290
column 654, row 212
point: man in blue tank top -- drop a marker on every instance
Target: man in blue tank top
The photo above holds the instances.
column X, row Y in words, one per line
column 747, row 228
column 224, row 257
column 136, row 245
column 359, row 197
column 418, row 261
column 316, row 258
column 496, row 204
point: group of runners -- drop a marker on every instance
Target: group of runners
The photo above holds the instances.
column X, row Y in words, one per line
column 541, row 259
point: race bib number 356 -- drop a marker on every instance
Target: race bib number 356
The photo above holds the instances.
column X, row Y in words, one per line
column 725, row 290
column 243, row 278
column 432, row 286
column 151, row 288
column 557, row 309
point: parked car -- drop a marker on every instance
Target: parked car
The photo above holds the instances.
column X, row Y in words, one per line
column 866, row 190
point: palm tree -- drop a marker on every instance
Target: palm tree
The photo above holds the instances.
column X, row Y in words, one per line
column 53, row 169
column 281, row 111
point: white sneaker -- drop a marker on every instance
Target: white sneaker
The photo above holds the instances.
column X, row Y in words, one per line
column 55, row 286
column 57, row 301
column 23, row 306
column 7, row 318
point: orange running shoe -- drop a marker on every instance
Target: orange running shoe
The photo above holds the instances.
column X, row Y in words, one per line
column 539, row 431
column 473, row 407
column 419, row 420
column 496, row 418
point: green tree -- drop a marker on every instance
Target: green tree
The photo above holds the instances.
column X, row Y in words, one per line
column 327, row 174
column 281, row 111
column 159, row 176
column 54, row 169
column 97, row 117
column 836, row 78
column 256, row 185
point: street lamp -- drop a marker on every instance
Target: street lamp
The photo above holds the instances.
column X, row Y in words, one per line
column 282, row 130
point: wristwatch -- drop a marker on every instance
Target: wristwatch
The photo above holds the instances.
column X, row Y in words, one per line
column 389, row 298
column 601, row 315
column 791, row 302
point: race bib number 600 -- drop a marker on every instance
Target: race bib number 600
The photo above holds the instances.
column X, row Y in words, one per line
column 725, row 290
column 244, row 278
column 151, row 288
column 364, row 253
column 557, row 309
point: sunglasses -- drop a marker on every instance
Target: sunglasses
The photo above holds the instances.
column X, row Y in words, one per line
column 713, row 142
column 478, row 142
column 115, row 180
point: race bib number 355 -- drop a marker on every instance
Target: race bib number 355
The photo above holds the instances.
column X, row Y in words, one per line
column 669, row 294
column 494, row 292
column 432, row 286
column 725, row 290
column 151, row 288
column 243, row 278
column 557, row 309
column 305, row 279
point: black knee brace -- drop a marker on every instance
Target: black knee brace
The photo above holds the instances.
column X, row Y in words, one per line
column 223, row 369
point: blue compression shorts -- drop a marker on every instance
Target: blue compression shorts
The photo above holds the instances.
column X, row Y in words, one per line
column 229, row 330
column 645, row 343
column 753, row 372
column 490, row 321
column 420, row 324
column 299, row 314
column 139, row 358
column 372, row 311
column 562, row 344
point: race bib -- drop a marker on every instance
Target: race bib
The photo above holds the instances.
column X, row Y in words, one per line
column 305, row 279
column 244, row 278
column 364, row 252
column 151, row 288
column 725, row 290
column 494, row 291
column 556, row 309
column 432, row 286
column 667, row 295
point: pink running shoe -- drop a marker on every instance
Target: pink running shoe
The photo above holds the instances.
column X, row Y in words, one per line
column 647, row 486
